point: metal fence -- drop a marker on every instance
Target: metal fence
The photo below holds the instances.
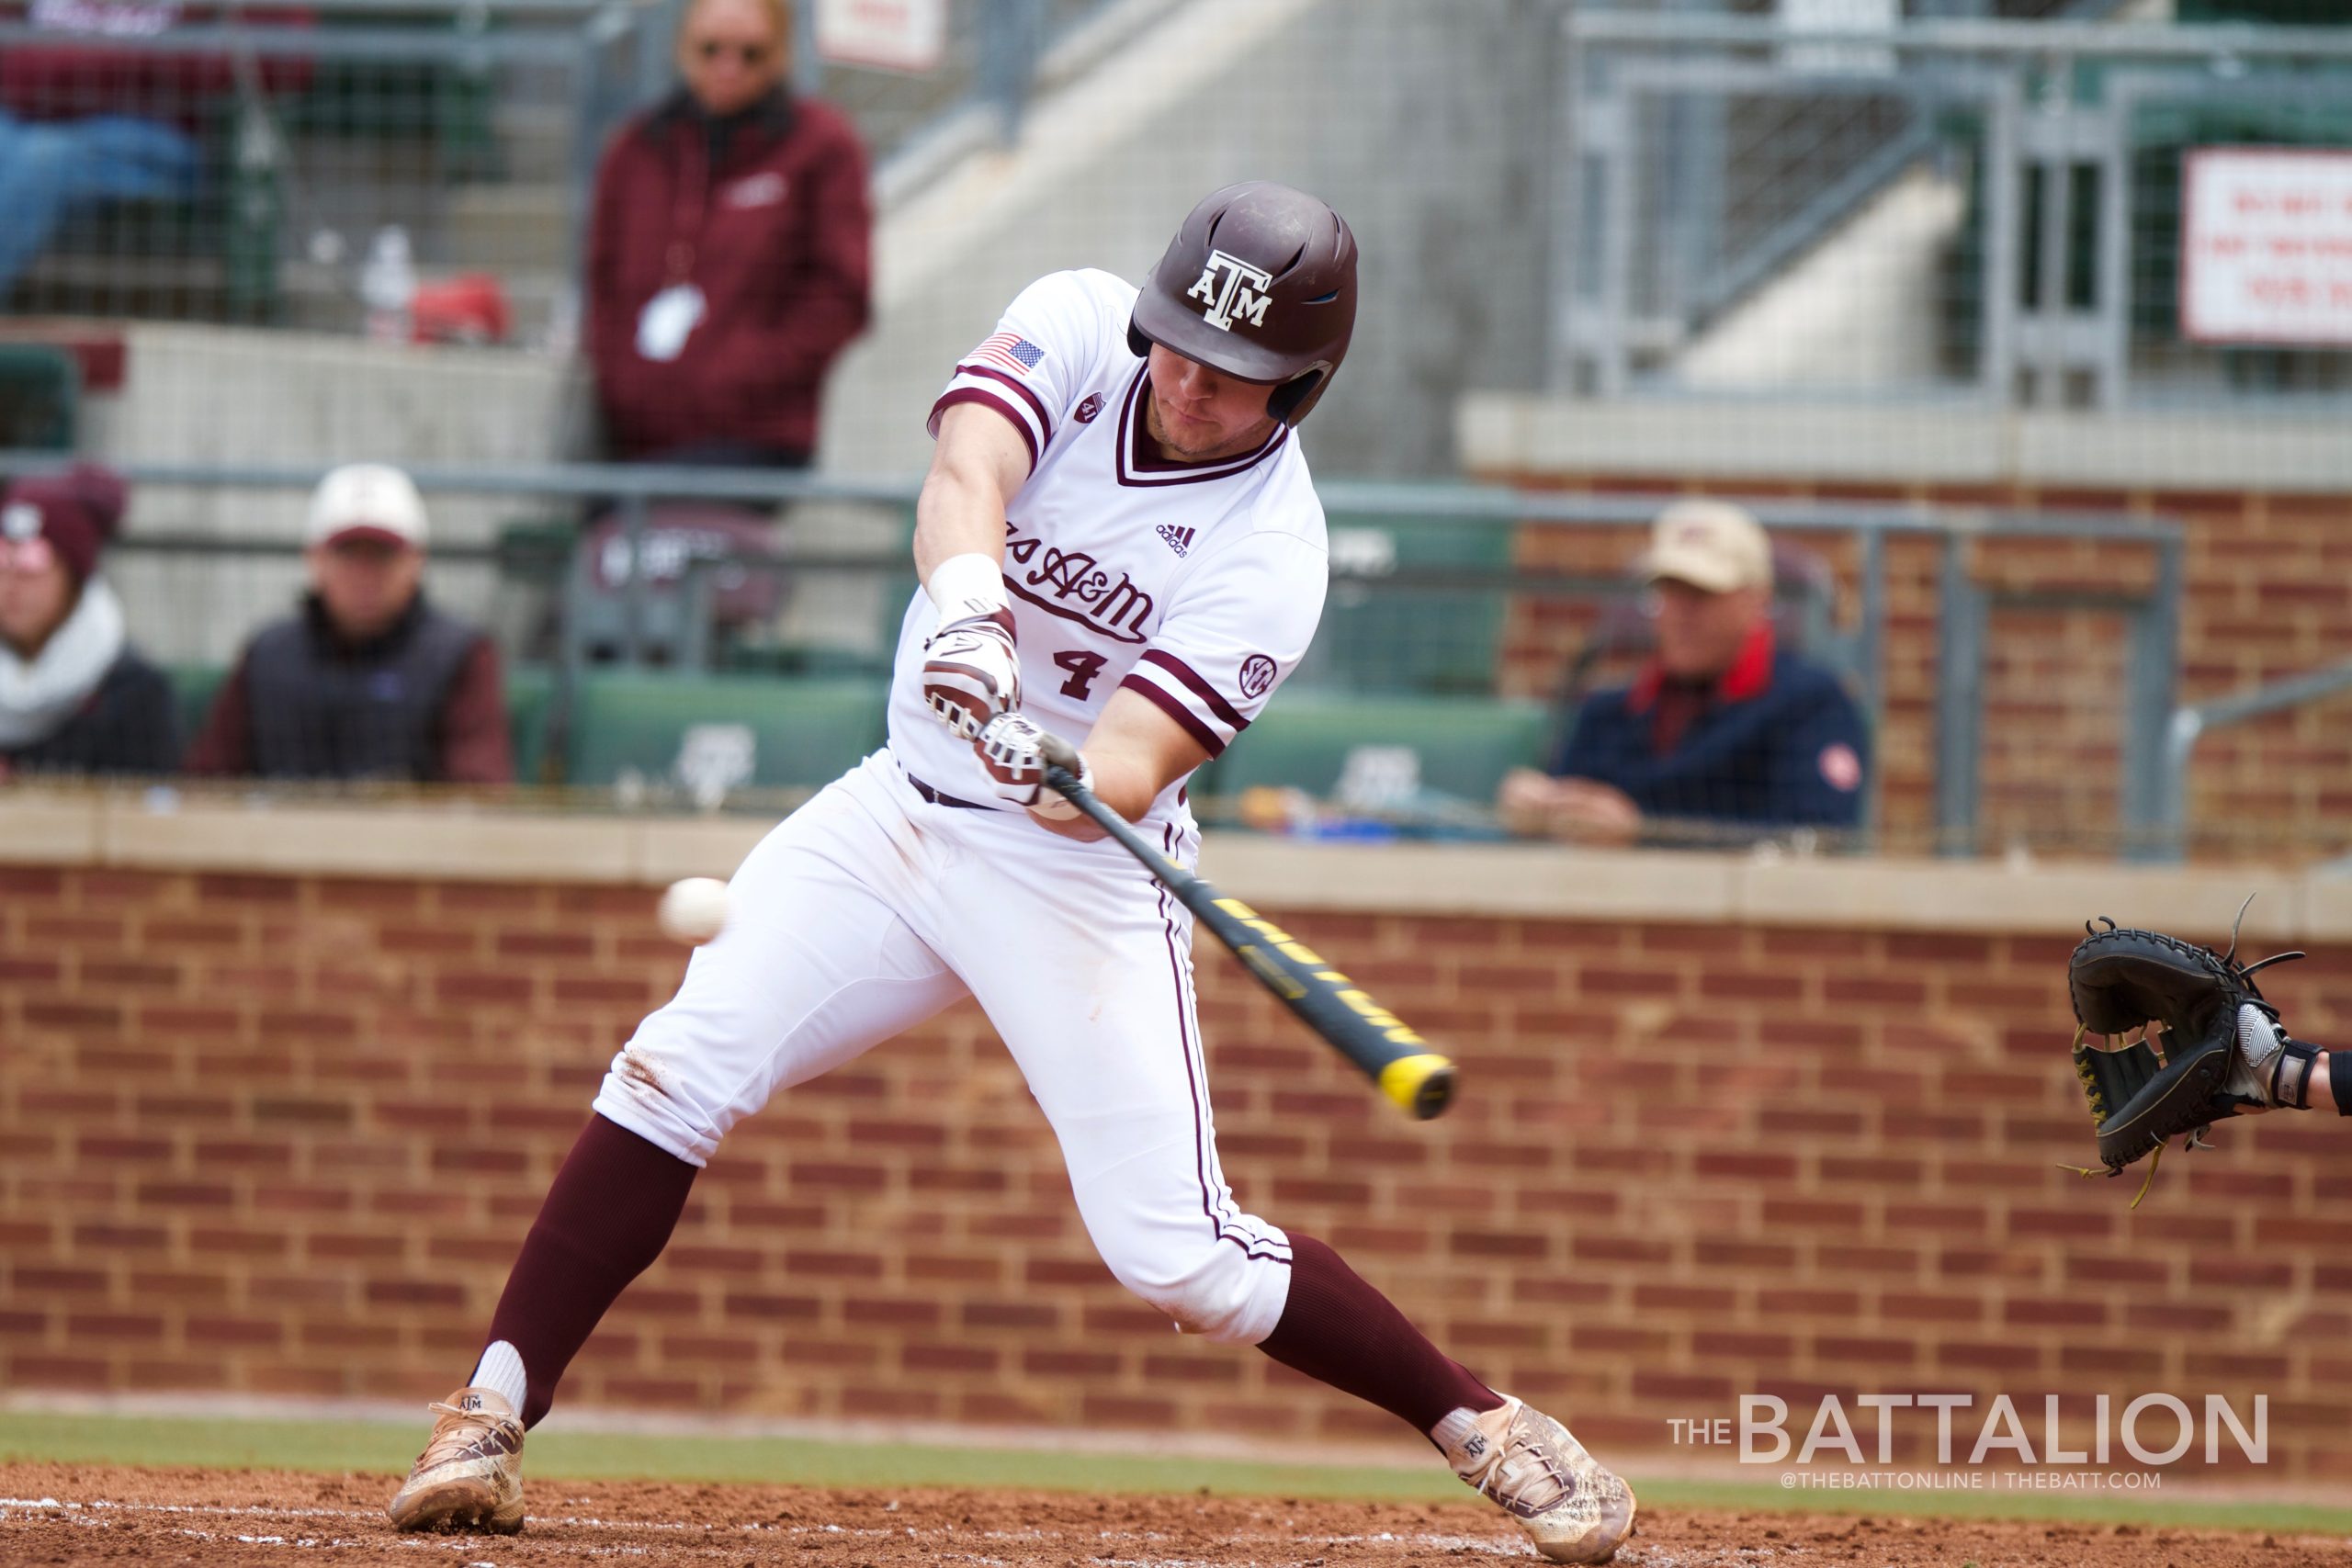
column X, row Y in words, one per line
column 1965, row 212
column 1934, row 208
column 287, row 168
column 1462, row 628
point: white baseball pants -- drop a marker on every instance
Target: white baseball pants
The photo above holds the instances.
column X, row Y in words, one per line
column 871, row 910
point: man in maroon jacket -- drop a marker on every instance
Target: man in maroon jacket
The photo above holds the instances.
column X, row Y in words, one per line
column 728, row 255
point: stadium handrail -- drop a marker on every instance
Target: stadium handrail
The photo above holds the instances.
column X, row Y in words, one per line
column 2154, row 615
column 2141, row 41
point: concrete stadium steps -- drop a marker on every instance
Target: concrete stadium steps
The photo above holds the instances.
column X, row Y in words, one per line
column 509, row 229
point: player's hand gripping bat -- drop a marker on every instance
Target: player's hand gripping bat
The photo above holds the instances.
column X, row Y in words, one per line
column 1418, row 1080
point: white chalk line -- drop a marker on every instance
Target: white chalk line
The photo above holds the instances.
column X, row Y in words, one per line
column 95, row 1512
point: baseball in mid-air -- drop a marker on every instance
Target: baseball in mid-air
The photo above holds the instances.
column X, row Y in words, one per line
column 693, row 910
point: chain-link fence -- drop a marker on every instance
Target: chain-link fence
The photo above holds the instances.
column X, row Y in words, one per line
column 1768, row 240
column 1917, row 680
column 1938, row 209
column 312, row 167
column 302, row 167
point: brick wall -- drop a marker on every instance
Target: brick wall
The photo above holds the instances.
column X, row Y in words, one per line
column 265, row 1133
column 2269, row 595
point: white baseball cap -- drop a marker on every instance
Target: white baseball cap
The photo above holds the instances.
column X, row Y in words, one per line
column 1710, row 545
column 367, row 501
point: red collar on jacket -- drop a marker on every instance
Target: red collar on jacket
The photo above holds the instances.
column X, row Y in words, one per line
column 1750, row 674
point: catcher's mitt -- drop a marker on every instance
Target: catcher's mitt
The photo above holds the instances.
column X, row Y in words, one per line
column 2223, row 1048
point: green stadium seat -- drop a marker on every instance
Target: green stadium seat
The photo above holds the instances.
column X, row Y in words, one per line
column 40, row 397
column 800, row 733
column 1450, row 635
column 530, row 693
column 194, row 687
column 1306, row 741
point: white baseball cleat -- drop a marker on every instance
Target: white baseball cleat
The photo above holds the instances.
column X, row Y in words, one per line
column 470, row 1474
column 1575, row 1510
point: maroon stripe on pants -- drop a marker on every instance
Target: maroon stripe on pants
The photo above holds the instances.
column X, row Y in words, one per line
column 1218, row 1222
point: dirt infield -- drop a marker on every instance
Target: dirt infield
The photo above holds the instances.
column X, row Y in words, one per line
column 55, row 1514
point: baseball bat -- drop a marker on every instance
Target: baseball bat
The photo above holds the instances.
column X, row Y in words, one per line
column 1380, row 1044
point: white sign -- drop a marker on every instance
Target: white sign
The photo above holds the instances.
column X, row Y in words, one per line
column 2266, row 245
column 890, row 35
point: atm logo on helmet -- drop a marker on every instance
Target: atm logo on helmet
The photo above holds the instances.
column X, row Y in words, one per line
column 1240, row 292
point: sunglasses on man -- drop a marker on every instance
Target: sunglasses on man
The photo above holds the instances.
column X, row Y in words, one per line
column 746, row 53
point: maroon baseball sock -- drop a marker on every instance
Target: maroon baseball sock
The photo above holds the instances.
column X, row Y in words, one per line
column 604, row 1221
column 1338, row 1329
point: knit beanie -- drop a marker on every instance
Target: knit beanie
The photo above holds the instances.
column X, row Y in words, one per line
column 76, row 511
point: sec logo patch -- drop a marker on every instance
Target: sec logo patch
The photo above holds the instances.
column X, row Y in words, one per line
column 1088, row 409
column 1257, row 675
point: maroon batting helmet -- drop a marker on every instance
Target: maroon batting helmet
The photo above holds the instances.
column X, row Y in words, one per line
column 1259, row 283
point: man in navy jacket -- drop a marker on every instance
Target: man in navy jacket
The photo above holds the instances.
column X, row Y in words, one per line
column 1722, row 734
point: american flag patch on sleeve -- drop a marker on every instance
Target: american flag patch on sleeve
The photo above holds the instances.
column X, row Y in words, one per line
column 1008, row 351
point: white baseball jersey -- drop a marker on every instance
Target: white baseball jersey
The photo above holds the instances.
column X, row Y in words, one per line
column 1196, row 584
column 876, row 904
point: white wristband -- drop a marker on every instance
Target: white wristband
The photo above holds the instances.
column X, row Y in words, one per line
column 969, row 584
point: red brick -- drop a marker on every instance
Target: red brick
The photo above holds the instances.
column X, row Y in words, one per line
column 544, row 945
column 1636, row 1208
column 1119, row 1410
column 207, row 1330
column 801, row 1263
column 217, row 887
column 74, row 1017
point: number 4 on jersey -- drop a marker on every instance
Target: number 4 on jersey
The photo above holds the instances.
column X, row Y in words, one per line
column 1082, row 667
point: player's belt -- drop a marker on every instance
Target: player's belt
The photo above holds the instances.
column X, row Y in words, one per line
column 936, row 798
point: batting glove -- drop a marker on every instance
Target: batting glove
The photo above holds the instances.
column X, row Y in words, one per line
column 1015, row 753
column 970, row 673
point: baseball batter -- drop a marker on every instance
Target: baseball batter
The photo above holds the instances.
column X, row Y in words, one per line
column 1118, row 540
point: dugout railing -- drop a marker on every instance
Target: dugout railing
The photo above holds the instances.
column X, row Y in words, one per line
column 1454, row 597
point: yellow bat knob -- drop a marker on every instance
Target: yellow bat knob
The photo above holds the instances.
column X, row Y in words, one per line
column 1422, row 1084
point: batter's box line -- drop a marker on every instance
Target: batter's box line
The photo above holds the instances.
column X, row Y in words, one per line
column 1483, row 1545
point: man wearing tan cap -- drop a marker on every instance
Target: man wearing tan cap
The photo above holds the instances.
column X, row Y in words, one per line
column 1720, row 730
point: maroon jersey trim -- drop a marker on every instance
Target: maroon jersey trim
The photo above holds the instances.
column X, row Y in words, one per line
column 985, row 399
column 1183, row 716
column 1136, row 464
column 1200, row 688
column 1028, row 395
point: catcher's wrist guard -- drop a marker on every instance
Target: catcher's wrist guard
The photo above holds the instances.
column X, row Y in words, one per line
column 2201, row 1068
column 2292, row 1087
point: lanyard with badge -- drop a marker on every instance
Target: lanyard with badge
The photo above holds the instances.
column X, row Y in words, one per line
column 672, row 315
